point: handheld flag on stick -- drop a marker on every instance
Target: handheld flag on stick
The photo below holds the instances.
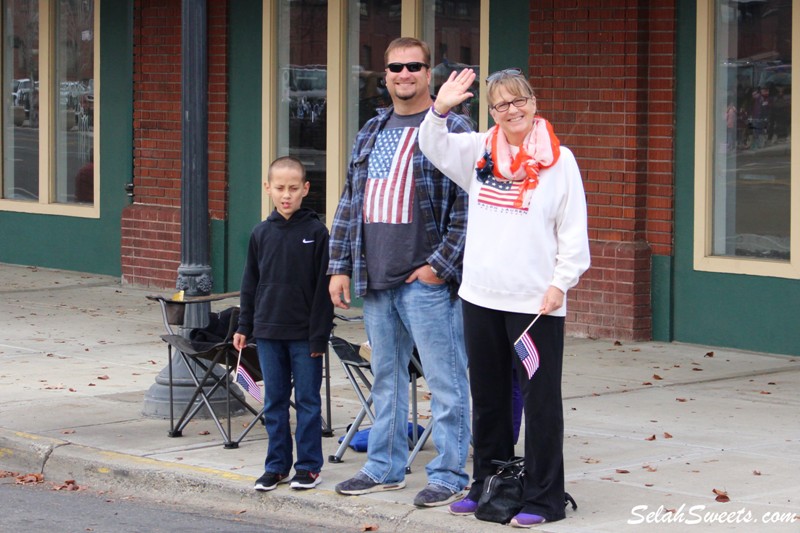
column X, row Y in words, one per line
column 526, row 350
column 247, row 382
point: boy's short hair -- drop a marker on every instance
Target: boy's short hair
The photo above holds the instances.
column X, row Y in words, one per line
column 290, row 162
column 408, row 42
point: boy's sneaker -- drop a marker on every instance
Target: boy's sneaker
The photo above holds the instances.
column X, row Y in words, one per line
column 362, row 484
column 303, row 479
column 270, row 480
column 435, row 495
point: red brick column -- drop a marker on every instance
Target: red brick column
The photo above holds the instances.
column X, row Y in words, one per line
column 151, row 232
column 604, row 76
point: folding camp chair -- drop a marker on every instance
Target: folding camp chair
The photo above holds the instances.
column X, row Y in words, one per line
column 216, row 361
column 355, row 367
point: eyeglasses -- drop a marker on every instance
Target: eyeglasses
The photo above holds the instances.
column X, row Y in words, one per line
column 503, row 73
column 414, row 66
column 502, row 107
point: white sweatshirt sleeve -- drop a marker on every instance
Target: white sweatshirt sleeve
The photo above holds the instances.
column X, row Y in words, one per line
column 454, row 154
column 572, row 256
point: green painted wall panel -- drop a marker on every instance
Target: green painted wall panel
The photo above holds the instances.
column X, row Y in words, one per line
column 89, row 245
column 747, row 312
column 661, row 297
column 244, row 208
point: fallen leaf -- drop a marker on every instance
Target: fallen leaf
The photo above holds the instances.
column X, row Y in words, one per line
column 651, row 437
column 104, row 376
column 650, row 468
column 617, row 343
column 697, row 369
column 6, row 473
column 152, row 362
column 667, row 435
column 72, row 390
column 242, row 511
column 756, row 473
column 590, row 460
column 68, row 432
column 709, row 354
column 722, row 496
column 657, row 377
column 646, row 383
column 423, row 417
column 622, row 471
column 369, row 527
column 30, row 478
column 204, row 432
column 680, row 399
column 91, row 385
column 765, row 392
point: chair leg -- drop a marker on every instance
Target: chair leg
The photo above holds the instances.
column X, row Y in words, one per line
column 172, row 432
column 354, row 427
column 420, row 443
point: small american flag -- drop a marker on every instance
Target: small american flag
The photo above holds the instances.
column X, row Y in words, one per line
column 247, row 382
column 389, row 193
column 526, row 350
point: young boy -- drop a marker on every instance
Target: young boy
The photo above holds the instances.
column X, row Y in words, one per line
column 286, row 307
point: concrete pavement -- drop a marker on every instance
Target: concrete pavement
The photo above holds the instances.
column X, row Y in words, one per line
column 652, row 429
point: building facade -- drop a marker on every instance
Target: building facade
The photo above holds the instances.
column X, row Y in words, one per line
column 679, row 113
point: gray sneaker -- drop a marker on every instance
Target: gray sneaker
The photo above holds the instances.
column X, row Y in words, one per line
column 362, row 484
column 435, row 495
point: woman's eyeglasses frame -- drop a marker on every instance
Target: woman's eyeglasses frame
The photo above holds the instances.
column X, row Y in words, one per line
column 519, row 102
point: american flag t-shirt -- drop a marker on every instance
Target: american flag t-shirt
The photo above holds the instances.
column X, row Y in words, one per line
column 389, row 194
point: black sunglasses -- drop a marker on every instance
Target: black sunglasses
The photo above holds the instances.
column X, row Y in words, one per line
column 414, row 66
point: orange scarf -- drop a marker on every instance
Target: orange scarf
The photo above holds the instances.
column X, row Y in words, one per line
column 539, row 149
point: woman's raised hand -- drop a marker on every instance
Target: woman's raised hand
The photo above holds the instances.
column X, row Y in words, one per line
column 454, row 91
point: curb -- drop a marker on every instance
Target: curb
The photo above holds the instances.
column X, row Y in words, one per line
column 207, row 488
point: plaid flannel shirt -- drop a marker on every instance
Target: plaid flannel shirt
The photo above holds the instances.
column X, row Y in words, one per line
column 443, row 205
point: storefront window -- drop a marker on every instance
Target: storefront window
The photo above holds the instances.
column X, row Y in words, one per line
column 372, row 25
column 302, row 70
column 21, row 103
column 452, row 29
column 74, row 76
column 752, row 128
column 49, row 112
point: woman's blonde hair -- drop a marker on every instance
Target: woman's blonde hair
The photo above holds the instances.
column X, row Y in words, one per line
column 514, row 82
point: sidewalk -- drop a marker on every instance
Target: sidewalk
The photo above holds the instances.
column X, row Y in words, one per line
column 647, row 424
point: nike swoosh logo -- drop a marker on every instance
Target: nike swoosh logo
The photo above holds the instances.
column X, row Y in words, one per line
column 306, row 241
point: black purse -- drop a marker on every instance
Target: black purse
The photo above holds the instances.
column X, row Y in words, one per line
column 501, row 498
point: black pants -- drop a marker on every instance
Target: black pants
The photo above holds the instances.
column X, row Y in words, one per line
column 490, row 336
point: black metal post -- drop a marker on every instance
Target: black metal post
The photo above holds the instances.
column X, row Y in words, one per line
column 194, row 272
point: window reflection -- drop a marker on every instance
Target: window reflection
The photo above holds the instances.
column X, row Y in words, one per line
column 302, row 113
column 453, row 33
column 21, row 104
column 75, row 102
column 751, row 196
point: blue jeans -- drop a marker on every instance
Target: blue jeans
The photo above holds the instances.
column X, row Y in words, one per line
column 396, row 320
column 280, row 362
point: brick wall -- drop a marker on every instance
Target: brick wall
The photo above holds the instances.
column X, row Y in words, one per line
column 604, row 76
column 151, row 237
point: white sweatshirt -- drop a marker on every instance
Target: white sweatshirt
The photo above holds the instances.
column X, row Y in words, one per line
column 513, row 255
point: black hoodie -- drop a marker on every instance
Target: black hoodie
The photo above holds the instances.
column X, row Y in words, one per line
column 284, row 293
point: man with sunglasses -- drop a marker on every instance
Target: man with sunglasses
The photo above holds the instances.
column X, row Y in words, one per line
column 399, row 233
